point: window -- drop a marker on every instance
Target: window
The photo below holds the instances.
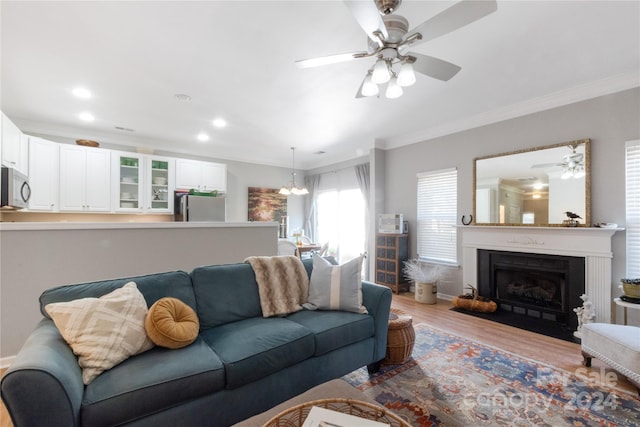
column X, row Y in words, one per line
column 632, row 163
column 437, row 216
column 341, row 213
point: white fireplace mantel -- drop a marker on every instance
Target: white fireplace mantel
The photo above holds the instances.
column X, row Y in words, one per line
column 594, row 244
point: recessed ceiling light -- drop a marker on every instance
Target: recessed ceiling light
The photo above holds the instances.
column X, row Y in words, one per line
column 203, row 137
column 87, row 117
column 81, row 92
column 219, row 123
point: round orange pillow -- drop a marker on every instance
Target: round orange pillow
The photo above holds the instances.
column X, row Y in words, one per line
column 171, row 323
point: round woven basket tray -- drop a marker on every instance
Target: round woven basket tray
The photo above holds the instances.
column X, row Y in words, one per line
column 296, row 415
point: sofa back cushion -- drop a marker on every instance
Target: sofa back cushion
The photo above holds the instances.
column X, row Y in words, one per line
column 228, row 293
column 176, row 284
column 225, row 293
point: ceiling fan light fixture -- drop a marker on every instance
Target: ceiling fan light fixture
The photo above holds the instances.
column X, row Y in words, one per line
column 394, row 90
column 369, row 88
column 406, row 76
column 381, row 72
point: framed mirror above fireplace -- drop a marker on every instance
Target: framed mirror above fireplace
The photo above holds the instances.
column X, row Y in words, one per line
column 534, row 187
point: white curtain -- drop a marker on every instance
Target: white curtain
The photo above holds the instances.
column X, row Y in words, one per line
column 364, row 182
column 312, row 182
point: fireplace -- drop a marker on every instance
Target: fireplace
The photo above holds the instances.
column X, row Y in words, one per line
column 591, row 244
column 533, row 291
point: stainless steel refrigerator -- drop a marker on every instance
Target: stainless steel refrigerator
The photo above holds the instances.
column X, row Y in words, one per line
column 200, row 208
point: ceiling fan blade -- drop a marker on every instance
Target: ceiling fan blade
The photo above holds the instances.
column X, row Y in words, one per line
column 457, row 16
column 434, row 67
column 546, row 165
column 359, row 92
column 367, row 15
column 330, row 59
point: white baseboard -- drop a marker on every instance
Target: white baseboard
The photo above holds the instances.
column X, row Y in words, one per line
column 5, row 362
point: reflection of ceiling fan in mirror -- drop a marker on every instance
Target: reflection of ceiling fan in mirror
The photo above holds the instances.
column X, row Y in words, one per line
column 572, row 164
column 390, row 39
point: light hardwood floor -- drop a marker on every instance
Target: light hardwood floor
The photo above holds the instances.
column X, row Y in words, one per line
column 562, row 354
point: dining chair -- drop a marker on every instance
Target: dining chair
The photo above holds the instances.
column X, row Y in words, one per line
column 287, row 247
column 305, row 240
column 323, row 249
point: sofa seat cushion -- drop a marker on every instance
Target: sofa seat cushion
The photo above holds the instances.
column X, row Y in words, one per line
column 255, row 348
column 151, row 382
column 334, row 329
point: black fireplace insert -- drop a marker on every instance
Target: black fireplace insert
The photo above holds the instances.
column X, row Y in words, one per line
column 533, row 289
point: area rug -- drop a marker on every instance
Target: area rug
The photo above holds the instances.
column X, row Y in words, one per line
column 454, row 381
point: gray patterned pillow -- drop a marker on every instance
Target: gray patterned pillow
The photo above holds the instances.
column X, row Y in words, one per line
column 336, row 287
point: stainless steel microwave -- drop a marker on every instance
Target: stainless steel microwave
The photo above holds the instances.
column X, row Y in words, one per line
column 14, row 189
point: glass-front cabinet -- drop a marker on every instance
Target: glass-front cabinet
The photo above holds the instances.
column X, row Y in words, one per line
column 160, row 192
column 144, row 183
column 128, row 176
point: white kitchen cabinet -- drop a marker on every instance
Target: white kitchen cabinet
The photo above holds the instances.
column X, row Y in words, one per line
column 159, row 184
column 127, row 173
column 214, row 177
column 85, row 179
column 15, row 146
column 44, row 174
column 201, row 176
column 142, row 183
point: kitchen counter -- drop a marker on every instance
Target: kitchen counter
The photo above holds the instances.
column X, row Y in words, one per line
column 64, row 225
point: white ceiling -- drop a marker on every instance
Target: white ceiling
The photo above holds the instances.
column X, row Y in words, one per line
column 236, row 60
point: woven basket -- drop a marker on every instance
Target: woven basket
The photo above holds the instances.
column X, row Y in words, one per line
column 473, row 302
column 400, row 338
column 295, row 416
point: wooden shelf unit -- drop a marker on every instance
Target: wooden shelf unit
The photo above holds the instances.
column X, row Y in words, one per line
column 391, row 252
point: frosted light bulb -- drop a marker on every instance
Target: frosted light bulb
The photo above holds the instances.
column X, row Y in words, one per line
column 394, row 90
column 381, row 72
column 406, row 77
column 369, row 88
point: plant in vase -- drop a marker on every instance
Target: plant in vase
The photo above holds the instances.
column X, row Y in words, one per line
column 422, row 274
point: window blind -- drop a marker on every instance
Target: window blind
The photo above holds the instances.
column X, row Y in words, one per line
column 437, row 215
column 632, row 179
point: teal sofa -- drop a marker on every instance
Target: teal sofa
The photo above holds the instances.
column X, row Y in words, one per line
column 241, row 363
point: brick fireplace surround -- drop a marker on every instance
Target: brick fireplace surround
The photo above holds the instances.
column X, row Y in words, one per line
column 594, row 244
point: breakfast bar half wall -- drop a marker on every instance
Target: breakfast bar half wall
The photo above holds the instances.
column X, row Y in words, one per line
column 38, row 256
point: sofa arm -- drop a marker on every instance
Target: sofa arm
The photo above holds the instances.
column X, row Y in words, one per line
column 44, row 384
column 377, row 299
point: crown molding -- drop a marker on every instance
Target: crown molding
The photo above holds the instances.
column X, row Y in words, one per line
column 572, row 95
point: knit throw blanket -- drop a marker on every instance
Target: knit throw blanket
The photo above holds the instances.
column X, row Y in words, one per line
column 283, row 283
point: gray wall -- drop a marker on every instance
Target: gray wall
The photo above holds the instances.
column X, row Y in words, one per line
column 608, row 121
column 38, row 259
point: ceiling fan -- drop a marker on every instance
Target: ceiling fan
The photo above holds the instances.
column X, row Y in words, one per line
column 390, row 39
column 572, row 164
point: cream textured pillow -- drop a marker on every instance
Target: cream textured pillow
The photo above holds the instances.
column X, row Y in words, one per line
column 336, row 287
column 103, row 331
column 171, row 323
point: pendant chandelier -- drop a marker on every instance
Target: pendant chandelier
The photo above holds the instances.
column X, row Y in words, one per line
column 292, row 188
